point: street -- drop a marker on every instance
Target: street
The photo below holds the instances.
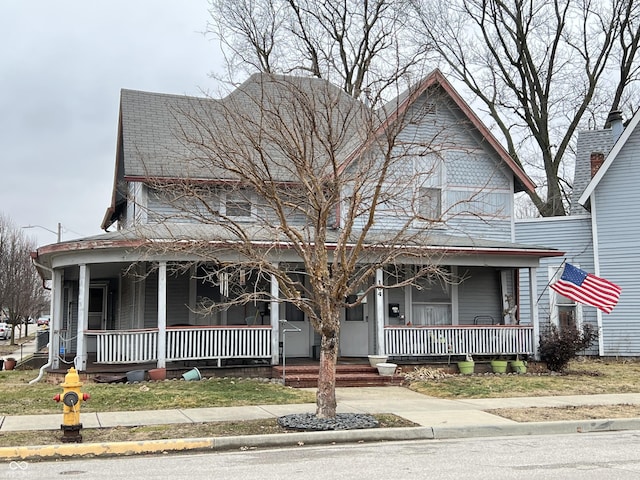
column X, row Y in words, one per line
column 578, row 456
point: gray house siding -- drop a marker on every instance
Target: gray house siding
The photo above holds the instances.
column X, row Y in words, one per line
column 151, row 301
column 615, row 208
column 571, row 235
column 479, row 295
column 177, row 292
column 477, row 189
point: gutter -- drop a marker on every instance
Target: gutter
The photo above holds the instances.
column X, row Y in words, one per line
column 50, row 359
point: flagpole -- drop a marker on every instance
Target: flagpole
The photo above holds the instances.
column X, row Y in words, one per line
column 551, row 279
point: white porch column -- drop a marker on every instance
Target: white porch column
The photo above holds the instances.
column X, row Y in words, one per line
column 56, row 318
column 533, row 300
column 380, row 347
column 83, row 317
column 162, row 314
column 274, row 315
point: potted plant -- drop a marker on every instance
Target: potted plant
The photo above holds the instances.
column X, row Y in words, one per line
column 518, row 366
column 467, row 365
column 499, row 365
column 157, row 374
column 10, row 363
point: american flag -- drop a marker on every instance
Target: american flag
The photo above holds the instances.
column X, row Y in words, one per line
column 587, row 288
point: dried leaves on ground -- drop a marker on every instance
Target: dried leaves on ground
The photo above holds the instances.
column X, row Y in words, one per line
column 553, row 414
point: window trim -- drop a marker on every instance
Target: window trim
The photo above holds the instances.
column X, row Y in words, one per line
column 556, row 300
column 245, row 197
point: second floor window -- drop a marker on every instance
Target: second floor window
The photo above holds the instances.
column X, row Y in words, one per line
column 428, row 178
column 238, row 204
column 430, row 203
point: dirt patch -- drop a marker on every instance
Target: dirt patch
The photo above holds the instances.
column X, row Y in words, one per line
column 162, row 432
column 552, row 414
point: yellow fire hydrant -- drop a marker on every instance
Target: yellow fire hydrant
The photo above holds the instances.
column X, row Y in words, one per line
column 71, row 398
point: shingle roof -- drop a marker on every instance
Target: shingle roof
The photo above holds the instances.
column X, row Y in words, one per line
column 171, row 136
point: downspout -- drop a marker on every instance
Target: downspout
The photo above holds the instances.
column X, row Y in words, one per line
column 50, row 359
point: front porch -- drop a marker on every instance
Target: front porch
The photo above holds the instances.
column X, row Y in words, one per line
column 219, row 346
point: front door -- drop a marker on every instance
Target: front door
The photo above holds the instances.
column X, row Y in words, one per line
column 354, row 331
column 295, row 333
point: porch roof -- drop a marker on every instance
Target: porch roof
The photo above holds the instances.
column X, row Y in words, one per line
column 130, row 244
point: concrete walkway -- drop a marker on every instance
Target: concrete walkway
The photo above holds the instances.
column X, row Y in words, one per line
column 27, row 349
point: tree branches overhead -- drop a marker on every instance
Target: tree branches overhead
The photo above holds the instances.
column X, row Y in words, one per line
column 541, row 69
column 360, row 45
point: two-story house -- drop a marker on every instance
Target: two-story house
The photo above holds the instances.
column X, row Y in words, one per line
column 115, row 300
column 598, row 236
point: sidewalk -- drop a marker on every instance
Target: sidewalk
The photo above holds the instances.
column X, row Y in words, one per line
column 27, row 349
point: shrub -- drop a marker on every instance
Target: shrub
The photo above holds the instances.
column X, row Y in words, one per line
column 559, row 347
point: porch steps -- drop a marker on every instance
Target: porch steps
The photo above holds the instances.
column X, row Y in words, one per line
column 306, row 376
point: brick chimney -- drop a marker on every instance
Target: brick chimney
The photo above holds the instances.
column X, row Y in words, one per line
column 597, row 159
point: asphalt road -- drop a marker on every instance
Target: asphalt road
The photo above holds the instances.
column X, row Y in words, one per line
column 578, row 456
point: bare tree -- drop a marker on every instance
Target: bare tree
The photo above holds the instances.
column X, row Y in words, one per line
column 292, row 178
column 21, row 290
column 538, row 67
column 362, row 45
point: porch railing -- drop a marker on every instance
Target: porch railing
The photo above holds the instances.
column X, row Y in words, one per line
column 126, row 346
column 217, row 343
column 458, row 340
column 183, row 343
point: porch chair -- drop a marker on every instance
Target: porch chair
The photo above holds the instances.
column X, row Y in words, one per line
column 483, row 320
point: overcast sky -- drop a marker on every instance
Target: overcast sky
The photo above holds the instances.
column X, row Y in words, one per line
column 63, row 63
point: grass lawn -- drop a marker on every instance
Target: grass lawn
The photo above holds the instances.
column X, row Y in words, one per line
column 17, row 397
column 581, row 378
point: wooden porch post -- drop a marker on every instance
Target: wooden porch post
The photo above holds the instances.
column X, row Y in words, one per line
column 83, row 317
column 56, row 317
column 275, row 321
column 380, row 347
column 162, row 315
column 535, row 321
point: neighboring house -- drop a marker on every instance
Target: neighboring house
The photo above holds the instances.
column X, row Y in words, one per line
column 114, row 303
column 599, row 236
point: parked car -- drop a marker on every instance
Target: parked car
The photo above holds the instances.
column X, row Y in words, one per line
column 43, row 321
column 5, row 331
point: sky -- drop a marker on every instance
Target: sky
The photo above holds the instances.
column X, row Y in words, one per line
column 62, row 66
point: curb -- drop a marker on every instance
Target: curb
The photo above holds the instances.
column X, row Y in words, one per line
column 248, row 442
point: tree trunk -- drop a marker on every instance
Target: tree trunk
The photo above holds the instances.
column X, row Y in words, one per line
column 326, row 396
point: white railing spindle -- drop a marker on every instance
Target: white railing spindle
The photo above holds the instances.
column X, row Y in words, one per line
column 458, row 340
